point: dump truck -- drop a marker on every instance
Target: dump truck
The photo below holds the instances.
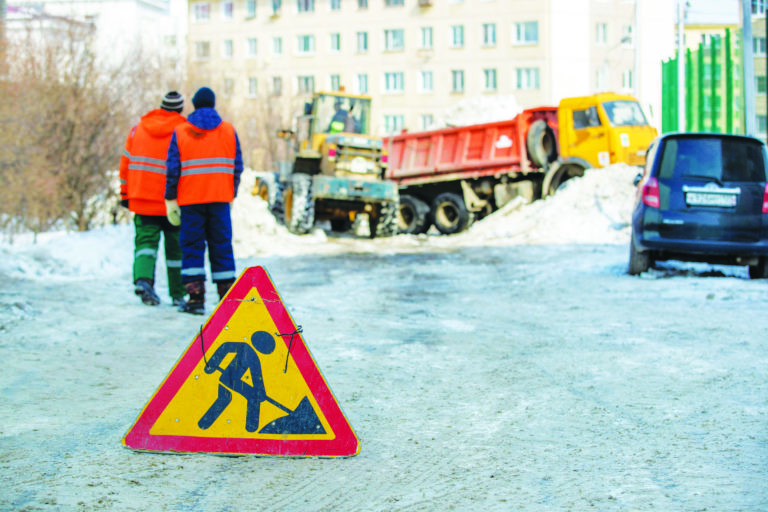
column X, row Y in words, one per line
column 452, row 176
column 336, row 171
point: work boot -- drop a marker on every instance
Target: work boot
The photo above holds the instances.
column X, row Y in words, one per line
column 178, row 302
column 146, row 292
column 223, row 287
column 196, row 303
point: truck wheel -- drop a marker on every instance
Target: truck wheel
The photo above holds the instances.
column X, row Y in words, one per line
column 541, row 144
column 413, row 216
column 639, row 262
column 449, row 213
column 299, row 205
column 386, row 224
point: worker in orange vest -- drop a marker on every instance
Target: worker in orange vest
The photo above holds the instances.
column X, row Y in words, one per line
column 204, row 166
column 142, row 187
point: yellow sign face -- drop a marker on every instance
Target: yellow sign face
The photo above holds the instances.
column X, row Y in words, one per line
column 246, row 384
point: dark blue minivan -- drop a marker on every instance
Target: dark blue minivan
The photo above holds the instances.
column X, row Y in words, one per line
column 702, row 197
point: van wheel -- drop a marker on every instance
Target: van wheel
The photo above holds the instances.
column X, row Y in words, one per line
column 413, row 216
column 449, row 213
column 759, row 271
column 639, row 262
column 541, row 144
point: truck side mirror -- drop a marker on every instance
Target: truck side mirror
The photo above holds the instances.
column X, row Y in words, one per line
column 637, row 179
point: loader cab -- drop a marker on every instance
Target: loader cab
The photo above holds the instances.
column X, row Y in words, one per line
column 334, row 112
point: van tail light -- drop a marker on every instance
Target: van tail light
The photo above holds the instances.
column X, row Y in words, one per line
column 765, row 199
column 651, row 193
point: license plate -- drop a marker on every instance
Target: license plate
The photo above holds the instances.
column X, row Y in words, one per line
column 703, row 199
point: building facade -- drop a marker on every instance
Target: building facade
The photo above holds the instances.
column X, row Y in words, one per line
column 417, row 58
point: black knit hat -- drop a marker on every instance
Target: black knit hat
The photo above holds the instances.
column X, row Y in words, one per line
column 204, row 97
column 173, row 102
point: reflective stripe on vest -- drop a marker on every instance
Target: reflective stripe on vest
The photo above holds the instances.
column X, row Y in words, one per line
column 207, row 160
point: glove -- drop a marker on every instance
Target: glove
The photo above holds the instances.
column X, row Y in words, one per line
column 173, row 212
column 124, row 203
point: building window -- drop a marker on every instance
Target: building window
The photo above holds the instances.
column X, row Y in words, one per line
column 253, row 87
column 457, row 80
column 335, row 82
column 759, row 46
column 362, row 4
column 306, row 45
column 335, row 5
column 335, row 42
column 203, row 50
column 457, row 36
column 277, row 46
column 601, row 34
column 202, row 11
column 305, row 5
column 760, row 85
column 391, row 3
column 527, row 78
column 394, row 82
column 490, row 79
column 426, row 38
column 253, row 46
column 600, row 79
column 758, row 7
column 426, row 84
column 228, row 49
column 276, row 5
column 762, row 126
column 362, row 42
column 362, row 83
column 626, row 36
column 229, row 87
column 489, row 34
column 394, row 40
column 250, row 8
column 227, row 10
column 427, row 120
column 626, row 80
column 394, row 124
column 526, row 32
column 306, row 84
column 277, row 86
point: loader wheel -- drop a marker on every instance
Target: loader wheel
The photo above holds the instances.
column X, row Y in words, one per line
column 449, row 213
column 385, row 223
column 299, row 205
column 541, row 144
column 413, row 216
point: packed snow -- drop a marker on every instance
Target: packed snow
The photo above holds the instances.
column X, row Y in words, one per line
column 515, row 366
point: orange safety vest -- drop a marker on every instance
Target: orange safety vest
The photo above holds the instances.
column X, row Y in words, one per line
column 207, row 164
column 142, row 166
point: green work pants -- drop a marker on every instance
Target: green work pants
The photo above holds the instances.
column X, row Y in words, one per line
column 147, row 241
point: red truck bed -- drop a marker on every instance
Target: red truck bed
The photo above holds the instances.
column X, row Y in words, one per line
column 464, row 152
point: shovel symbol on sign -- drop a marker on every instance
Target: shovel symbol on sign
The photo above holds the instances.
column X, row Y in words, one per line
column 302, row 420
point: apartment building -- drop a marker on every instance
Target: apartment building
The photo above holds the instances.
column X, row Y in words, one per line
column 417, row 58
column 761, row 79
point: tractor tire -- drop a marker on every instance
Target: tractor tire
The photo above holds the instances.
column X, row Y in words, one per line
column 541, row 144
column 299, row 205
column 450, row 214
column 413, row 216
column 387, row 223
column 639, row 262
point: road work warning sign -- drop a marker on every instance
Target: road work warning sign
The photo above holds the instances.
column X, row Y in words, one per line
column 247, row 384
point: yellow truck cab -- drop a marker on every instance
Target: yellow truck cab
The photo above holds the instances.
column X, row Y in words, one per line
column 604, row 129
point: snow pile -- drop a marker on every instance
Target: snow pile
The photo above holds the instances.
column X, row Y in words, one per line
column 479, row 109
column 594, row 209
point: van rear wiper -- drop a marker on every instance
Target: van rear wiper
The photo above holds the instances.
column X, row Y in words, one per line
column 703, row 178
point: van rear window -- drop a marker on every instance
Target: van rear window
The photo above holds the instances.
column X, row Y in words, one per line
column 713, row 159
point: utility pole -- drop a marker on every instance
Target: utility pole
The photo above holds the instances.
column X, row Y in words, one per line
column 747, row 46
column 681, row 65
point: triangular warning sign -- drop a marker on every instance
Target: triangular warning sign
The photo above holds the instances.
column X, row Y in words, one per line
column 247, row 384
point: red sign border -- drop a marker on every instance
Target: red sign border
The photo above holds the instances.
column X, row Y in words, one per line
column 345, row 443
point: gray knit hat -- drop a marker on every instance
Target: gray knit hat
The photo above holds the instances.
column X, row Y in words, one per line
column 173, row 102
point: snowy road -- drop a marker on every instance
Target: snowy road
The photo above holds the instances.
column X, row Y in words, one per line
column 504, row 378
